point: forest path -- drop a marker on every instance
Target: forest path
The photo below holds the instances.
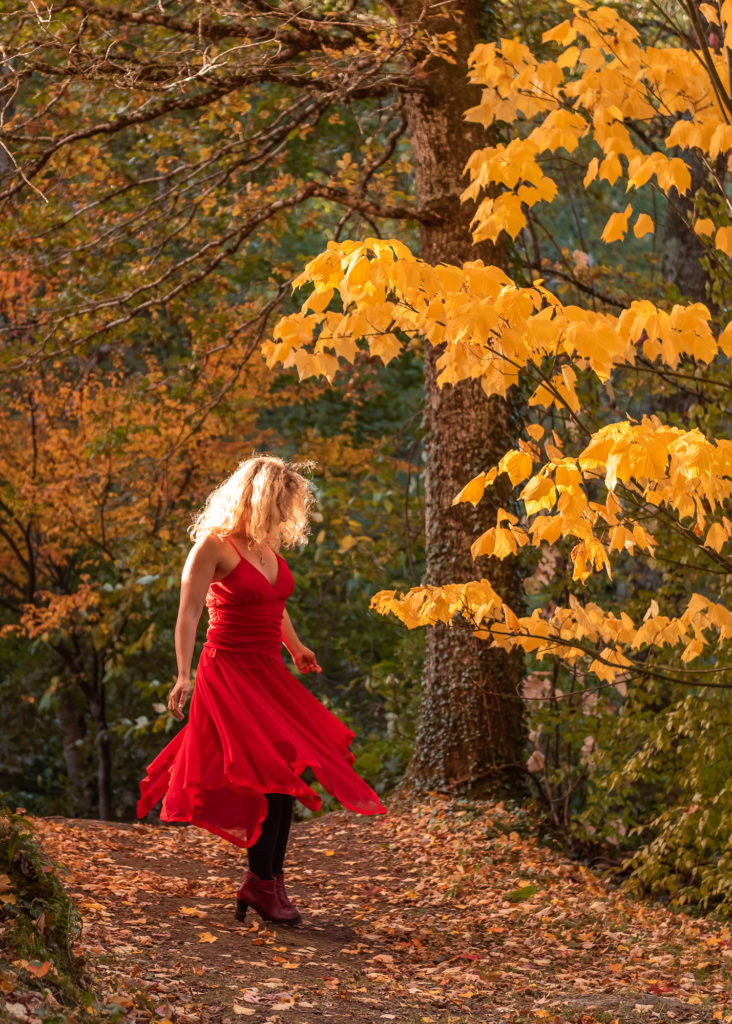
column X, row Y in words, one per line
column 442, row 914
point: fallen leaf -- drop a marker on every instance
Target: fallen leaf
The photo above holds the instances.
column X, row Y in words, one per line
column 207, row 937
column 38, row 969
column 525, row 893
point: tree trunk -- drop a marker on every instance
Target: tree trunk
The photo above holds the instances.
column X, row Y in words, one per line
column 97, row 705
column 78, row 755
column 471, row 716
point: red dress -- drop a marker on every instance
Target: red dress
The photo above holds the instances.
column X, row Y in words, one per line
column 252, row 726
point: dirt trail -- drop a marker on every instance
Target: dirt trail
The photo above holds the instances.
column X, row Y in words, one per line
column 429, row 916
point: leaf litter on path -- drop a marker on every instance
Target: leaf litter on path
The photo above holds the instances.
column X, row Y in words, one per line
column 446, row 913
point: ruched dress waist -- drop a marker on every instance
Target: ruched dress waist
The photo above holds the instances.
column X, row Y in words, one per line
column 239, row 626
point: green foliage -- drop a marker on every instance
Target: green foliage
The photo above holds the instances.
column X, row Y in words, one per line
column 41, row 921
column 684, row 752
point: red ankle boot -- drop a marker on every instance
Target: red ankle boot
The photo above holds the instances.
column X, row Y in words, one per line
column 261, row 893
column 285, row 901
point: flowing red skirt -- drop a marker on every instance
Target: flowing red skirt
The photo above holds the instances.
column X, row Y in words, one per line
column 252, row 729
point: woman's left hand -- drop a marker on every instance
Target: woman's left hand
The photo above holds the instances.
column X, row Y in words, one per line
column 306, row 661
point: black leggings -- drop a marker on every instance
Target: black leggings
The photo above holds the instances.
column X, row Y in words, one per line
column 267, row 856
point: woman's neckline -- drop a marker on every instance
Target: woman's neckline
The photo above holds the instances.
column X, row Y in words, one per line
column 242, row 558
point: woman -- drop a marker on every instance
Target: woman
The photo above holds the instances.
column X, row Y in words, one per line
column 235, row 767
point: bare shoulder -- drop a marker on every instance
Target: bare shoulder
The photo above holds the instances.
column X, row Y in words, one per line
column 210, row 545
column 206, row 554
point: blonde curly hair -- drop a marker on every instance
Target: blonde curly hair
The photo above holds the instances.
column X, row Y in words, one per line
column 264, row 499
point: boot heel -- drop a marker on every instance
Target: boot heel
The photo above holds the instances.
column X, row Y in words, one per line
column 261, row 895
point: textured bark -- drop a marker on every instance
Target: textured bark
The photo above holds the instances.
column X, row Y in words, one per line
column 471, row 716
column 97, row 705
column 78, row 756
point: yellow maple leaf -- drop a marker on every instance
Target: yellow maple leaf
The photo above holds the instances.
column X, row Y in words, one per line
column 319, row 300
column 616, row 226
column 518, row 465
column 473, row 490
column 723, row 240
column 509, row 214
column 717, row 537
column 692, row 649
column 539, row 493
column 643, row 226
column 542, row 396
column 592, row 169
column 704, row 226
column 563, row 34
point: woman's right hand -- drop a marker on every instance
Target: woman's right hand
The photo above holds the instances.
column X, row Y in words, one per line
column 178, row 697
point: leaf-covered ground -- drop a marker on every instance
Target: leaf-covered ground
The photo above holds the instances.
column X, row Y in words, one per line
column 448, row 912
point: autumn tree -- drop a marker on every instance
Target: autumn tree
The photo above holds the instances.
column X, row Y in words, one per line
column 615, row 478
column 470, row 727
column 192, row 156
column 98, row 479
column 101, row 477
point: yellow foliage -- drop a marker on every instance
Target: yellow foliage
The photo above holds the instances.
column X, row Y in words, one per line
column 608, row 497
column 567, row 632
column 620, row 80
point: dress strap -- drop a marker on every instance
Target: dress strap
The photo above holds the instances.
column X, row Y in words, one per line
column 241, row 557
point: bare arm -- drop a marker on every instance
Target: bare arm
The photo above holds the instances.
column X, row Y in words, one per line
column 302, row 656
column 289, row 636
column 198, row 572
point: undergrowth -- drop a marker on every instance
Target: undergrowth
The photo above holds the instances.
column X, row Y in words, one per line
column 39, row 925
